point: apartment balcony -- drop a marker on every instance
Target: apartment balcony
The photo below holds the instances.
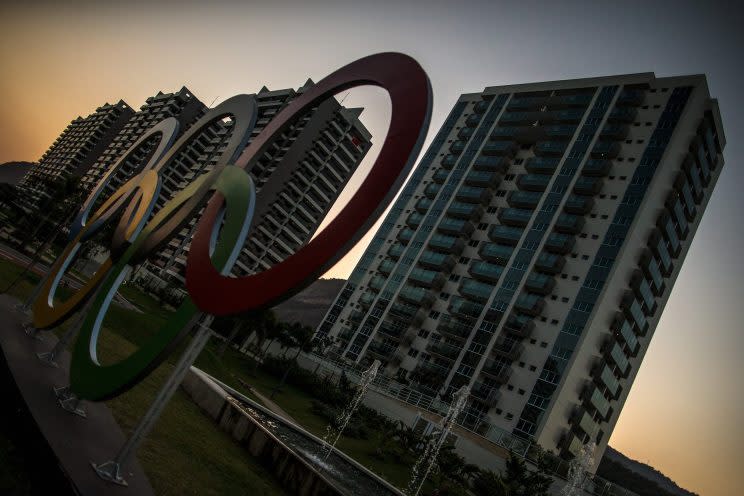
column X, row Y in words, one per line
column 497, row 253
column 677, row 213
column 426, row 278
column 614, row 131
column 606, row 150
column 507, row 347
column 467, row 211
column 504, row 133
column 482, row 178
column 539, row 283
column 549, row 263
column 579, row 205
column 569, row 224
column 383, row 351
column 465, row 308
column 571, row 116
column 444, row 350
column 432, row 190
column 519, row 325
column 657, row 243
column 542, row 165
column 481, row 106
column 455, row 227
column 414, row 219
column 631, row 97
column 465, row 133
column 589, row 186
column 356, row 317
column 448, row 161
column 376, row 283
column 441, row 262
column 405, row 235
column 489, row 395
column 505, row 234
column 395, row 251
column 605, row 378
column 457, row 147
column 475, row 290
column 515, row 216
column 386, row 266
column 558, row 101
column 623, row 114
column 473, row 120
column 440, row 176
column 643, row 289
column 652, row 269
column 432, row 371
column 583, row 423
column 366, row 299
column 454, row 327
column 485, row 271
column 529, row 304
column 346, row 334
column 423, row 205
column 491, row 164
column 564, row 131
column 523, row 199
column 533, row 182
column 635, row 312
column 518, row 118
column 417, row 295
column 407, row 313
column 550, row 148
column 446, row 244
column 389, row 330
column 498, row 370
column 624, row 332
column 525, row 103
column 471, row 194
column 499, row 148
column 596, row 167
column 614, row 353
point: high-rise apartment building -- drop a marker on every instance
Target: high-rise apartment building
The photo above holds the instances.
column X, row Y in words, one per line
column 75, row 150
column 532, row 252
column 182, row 105
column 296, row 180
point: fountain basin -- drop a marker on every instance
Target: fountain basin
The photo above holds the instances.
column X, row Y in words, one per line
column 291, row 453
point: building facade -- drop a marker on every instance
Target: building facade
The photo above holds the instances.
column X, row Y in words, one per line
column 75, row 150
column 297, row 181
column 532, row 252
column 182, row 105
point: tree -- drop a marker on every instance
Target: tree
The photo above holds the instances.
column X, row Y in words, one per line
column 517, row 480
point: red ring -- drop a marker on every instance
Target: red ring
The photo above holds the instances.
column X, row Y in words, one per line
column 410, row 95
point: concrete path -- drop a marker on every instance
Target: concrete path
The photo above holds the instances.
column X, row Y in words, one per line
column 75, row 441
column 267, row 402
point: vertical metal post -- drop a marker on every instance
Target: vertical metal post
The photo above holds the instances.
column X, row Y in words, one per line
column 111, row 470
column 49, row 356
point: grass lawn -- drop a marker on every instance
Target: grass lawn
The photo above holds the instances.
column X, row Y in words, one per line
column 185, row 453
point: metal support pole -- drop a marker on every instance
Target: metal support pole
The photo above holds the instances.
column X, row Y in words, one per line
column 49, row 356
column 111, row 470
column 67, row 400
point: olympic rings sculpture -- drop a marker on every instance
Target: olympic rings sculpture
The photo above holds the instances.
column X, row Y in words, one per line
column 225, row 223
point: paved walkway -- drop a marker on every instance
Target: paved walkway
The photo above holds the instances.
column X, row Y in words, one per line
column 267, row 402
column 74, row 440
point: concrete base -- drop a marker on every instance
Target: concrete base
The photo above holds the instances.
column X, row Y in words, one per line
column 75, row 441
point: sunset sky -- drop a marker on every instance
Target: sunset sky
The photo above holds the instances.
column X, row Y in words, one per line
column 684, row 414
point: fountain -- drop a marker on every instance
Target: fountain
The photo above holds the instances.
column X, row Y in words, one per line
column 429, row 456
column 343, row 419
column 578, row 469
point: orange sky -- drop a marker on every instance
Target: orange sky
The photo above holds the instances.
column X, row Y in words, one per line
column 684, row 411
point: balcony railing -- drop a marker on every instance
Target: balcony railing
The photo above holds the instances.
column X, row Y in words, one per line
column 437, row 261
column 597, row 167
column 519, row 325
column 569, row 224
column 492, row 164
column 530, row 304
column 475, row 290
column 559, row 243
column 454, row 327
column 482, row 178
column 505, row 234
column 549, row 263
column 515, row 216
column 447, row 244
column 468, row 211
column 589, row 186
column 542, row 165
column 426, row 278
column 498, row 370
column 578, row 204
column 416, row 295
column 485, row 271
column 533, row 182
column 455, row 227
column 540, row 283
column 524, row 199
column 444, row 350
column 471, row 194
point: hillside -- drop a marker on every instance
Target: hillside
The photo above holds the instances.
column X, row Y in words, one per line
column 12, row 172
column 637, row 476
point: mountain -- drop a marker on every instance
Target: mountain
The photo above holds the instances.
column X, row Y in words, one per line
column 12, row 172
column 310, row 306
column 637, row 476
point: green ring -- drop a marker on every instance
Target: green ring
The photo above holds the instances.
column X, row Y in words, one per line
column 91, row 381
